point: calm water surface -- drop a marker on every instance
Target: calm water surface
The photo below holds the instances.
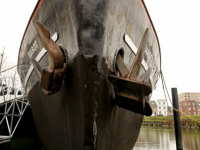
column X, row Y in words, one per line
column 162, row 138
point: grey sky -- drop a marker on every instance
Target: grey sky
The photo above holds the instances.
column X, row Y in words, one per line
column 176, row 22
column 177, row 25
column 14, row 16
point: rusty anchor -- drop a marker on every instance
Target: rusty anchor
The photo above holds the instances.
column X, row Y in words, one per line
column 51, row 77
column 131, row 93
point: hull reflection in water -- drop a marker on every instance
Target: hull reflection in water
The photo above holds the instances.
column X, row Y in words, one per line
column 156, row 138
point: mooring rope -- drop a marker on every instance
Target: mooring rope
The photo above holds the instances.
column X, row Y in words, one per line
column 186, row 115
column 11, row 68
column 8, row 69
column 165, row 89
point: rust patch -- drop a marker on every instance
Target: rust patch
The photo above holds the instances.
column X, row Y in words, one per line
column 129, row 27
column 120, row 17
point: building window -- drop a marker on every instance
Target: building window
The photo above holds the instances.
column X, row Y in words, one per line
column 160, row 112
column 158, row 102
column 189, row 108
column 188, row 103
column 163, row 102
column 193, row 104
column 193, row 108
column 159, row 107
column 194, row 113
column 163, row 107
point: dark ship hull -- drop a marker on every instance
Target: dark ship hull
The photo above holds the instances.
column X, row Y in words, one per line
column 82, row 113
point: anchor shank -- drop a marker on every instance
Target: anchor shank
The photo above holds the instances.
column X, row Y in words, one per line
column 133, row 75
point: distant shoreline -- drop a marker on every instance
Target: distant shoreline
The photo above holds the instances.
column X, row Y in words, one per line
column 168, row 121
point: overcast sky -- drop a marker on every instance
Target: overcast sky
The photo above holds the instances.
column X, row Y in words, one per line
column 14, row 16
column 176, row 22
column 178, row 27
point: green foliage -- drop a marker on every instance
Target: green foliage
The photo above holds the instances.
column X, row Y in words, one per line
column 169, row 120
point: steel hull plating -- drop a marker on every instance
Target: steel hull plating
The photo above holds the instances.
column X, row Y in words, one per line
column 83, row 114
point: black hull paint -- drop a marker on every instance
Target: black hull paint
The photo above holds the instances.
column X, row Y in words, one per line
column 83, row 114
column 86, row 119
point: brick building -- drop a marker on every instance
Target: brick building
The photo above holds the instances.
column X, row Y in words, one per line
column 189, row 107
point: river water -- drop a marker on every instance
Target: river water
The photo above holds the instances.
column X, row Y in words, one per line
column 163, row 138
column 150, row 138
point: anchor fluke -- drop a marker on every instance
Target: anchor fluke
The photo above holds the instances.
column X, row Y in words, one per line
column 146, row 75
column 55, row 53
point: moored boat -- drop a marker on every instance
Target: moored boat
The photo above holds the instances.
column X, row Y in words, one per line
column 89, row 69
